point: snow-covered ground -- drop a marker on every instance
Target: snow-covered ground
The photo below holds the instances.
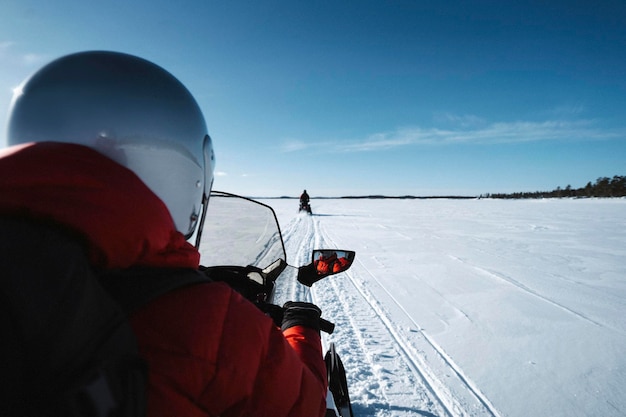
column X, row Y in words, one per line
column 473, row 307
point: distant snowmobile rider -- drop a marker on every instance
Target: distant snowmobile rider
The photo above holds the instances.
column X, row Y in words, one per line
column 304, row 198
column 115, row 150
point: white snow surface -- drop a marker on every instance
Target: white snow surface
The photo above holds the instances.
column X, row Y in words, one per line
column 472, row 307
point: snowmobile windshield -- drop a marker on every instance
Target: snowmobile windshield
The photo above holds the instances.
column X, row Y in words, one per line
column 240, row 231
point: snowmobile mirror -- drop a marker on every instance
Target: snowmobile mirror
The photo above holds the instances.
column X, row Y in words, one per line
column 325, row 262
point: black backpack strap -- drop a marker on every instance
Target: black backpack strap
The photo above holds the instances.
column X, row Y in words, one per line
column 135, row 287
column 67, row 348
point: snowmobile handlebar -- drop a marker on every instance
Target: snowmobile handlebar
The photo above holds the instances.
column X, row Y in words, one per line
column 276, row 313
column 256, row 285
column 327, row 326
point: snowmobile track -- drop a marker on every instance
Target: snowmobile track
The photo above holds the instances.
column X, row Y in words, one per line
column 413, row 355
column 372, row 358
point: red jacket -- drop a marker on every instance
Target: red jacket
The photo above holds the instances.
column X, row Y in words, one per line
column 210, row 352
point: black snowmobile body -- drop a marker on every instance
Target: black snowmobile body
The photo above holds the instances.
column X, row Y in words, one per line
column 305, row 207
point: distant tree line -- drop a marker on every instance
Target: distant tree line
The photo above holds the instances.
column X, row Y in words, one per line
column 603, row 187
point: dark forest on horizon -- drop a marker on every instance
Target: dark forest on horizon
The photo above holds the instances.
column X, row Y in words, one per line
column 604, row 187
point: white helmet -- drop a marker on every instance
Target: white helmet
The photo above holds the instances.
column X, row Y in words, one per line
column 129, row 109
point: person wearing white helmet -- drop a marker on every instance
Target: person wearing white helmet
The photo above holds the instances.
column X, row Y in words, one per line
column 110, row 152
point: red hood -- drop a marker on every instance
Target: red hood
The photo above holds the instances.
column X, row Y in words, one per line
column 125, row 223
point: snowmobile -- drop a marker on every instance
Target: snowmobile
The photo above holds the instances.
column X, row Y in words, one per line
column 305, row 206
column 251, row 239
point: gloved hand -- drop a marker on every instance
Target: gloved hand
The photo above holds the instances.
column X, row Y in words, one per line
column 298, row 313
column 275, row 312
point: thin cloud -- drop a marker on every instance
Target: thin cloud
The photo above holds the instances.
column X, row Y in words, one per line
column 5, row 52
column 294, row 146
column 565, row 110
column 495, row 133
column 32, row 59
column 5, row 46
column 489, row 134
column 465, row 120
column 12, row 57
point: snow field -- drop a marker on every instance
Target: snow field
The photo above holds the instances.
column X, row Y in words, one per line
column 473, row 307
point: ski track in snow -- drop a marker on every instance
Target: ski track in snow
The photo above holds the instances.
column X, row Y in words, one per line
column 394, row 369
column 503, row 277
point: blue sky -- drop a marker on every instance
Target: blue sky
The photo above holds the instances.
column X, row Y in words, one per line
column 368, row 97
